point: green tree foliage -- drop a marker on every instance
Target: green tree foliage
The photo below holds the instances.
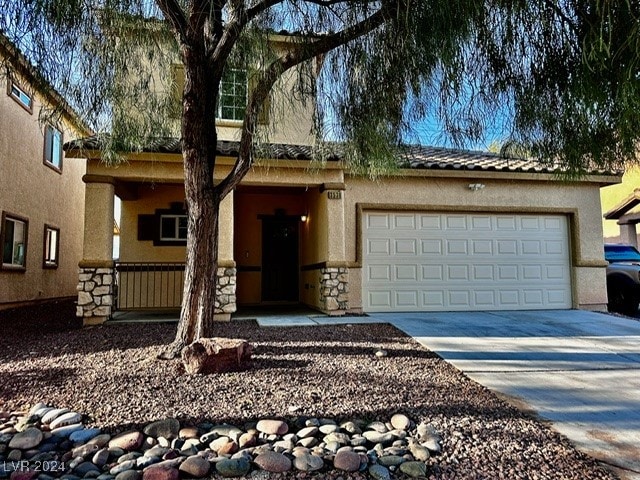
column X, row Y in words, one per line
column 566, row 71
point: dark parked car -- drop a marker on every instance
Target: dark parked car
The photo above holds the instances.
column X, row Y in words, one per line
column 623, row 278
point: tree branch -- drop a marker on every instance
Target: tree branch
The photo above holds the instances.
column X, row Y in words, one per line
column 270, row 76
column 175, row 16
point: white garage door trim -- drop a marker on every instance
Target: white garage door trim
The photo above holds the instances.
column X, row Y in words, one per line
column 424, row 261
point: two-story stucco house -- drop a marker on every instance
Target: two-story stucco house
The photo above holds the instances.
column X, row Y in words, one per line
column 41, row 194
column 450, row 230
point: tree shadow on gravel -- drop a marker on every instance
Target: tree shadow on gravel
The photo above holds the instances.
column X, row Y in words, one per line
column 366, row 351
column 109, row 337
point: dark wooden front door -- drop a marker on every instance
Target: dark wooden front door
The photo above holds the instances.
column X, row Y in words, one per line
column 280, row 259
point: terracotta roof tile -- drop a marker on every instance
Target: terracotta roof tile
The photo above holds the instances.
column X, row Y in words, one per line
column 414, row 156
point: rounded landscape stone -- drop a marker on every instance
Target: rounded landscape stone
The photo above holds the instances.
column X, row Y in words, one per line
column 378, row 472
column 400, row 421
column 414, row 469
column 66, row 430
column 51, row 415
column 83, row 436
column 273, row 462
column 160, row 473
column 347, row 461
column 129, row 475
column 307, row 432
column 195, row 466
column 69, row 418
column 167, row 428
column 30, row 438
column 308, row 462
column 233, row 467
column 377, row 437
column 272, row 427
column 131, row 440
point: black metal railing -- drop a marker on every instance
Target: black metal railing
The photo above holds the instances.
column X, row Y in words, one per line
column 148, row 285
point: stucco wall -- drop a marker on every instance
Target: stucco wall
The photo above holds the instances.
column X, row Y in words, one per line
column 612, row 195
column 31, row 189
column 579, row 201
column 151, row 197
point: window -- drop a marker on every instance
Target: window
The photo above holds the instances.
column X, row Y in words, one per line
column 53, row 148
column 232, row 102
column 233, row 95
column 14, row 241
column 173, row 228
column 51, row 247
column 20, row 96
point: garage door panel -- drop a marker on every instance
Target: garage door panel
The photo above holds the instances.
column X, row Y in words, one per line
column 405, row 246
column 481, row 222
column 430, row 222
column 430, row 247
column 401, row 221
column 378, row 246
column 406, row 299
column 433, row 272
column 378, row 221
column 457, row 247
column 406, row 272
column 417, row 261
column 433, row 300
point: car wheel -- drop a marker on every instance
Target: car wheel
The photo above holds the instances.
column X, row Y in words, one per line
column 623, row 300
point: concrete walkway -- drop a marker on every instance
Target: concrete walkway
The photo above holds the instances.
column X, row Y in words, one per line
column 579, row 370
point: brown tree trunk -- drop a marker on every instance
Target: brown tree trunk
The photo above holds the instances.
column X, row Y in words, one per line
column 199, row 141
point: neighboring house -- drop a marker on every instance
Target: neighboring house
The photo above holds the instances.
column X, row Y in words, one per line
column 41, row 193
column 620, row 209
column 452, row 230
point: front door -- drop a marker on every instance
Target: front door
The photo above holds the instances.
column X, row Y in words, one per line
column 280, row 259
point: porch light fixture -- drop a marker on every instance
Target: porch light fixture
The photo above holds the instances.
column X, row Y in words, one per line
column 304, row 217
column 474, row 187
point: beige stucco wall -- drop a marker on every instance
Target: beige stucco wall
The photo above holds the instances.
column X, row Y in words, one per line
column 152, row 197
column 612, row 195
column 289, row 117
column 30, row 189
column 579, row 201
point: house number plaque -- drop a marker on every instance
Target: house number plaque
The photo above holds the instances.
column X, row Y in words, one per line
column 334, row 194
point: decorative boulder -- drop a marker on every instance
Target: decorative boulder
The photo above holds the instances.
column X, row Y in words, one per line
column 216, row 355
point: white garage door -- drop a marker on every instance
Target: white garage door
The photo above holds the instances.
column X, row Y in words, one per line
column 451, row 261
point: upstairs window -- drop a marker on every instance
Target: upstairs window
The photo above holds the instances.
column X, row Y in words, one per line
column 232, row 101
column 14, row 241
column 53, row 148
column 20, row 95
column 51, row 247
column 173, row 228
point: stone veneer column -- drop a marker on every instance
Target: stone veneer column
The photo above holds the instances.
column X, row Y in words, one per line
column 96, row 272
column 95, row 294
column 334, row 289
column 225, row 293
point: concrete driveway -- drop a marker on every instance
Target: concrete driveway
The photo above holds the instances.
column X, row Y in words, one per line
column 580, row 370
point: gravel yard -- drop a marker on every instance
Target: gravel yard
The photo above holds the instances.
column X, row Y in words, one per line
column 110, row 374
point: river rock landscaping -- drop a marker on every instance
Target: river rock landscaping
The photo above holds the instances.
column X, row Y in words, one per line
column 49, row 442
column 315, row 403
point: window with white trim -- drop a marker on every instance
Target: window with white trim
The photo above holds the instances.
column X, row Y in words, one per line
column 53, row 148
column 51, row 247
column 20, row 95
column 232, row 102
column 173, row 228
column 14, row 241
